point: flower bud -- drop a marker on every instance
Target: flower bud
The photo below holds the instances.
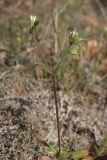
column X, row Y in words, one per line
column 33, row 22
column 74, row 38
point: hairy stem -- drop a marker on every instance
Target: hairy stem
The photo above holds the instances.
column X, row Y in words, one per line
column 61, row 60
column 41, row 52
column 57, row 112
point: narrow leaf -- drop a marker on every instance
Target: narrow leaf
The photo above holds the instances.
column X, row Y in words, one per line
column 45, row 67
column 62, row 67
column 105, row 140
column 53, row 149
column 79, row 154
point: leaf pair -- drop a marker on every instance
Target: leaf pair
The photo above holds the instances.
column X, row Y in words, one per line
column 45, row 67
column 62, row 67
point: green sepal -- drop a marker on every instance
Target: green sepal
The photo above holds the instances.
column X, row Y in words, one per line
column 75, row 40
column 73, row 51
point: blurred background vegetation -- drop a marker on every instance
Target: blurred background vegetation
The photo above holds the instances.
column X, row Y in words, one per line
column 18, row 51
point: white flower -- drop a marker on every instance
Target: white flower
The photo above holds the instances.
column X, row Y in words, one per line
column 74, row 33
column 33, row 22
column 33, row 19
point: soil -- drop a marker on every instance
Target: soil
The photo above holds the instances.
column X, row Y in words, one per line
column 27, row 113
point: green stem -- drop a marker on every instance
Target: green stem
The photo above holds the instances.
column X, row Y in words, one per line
column 41, row 55
column 61, row 60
